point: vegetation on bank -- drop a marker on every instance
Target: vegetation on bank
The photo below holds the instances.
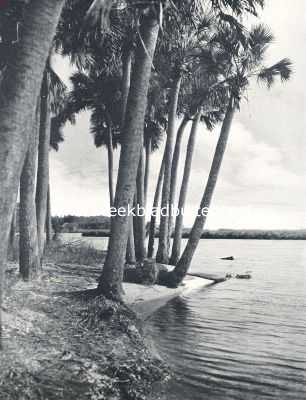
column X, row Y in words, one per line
column 62, row 342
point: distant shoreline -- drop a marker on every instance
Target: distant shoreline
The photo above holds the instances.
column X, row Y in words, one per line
column 224, row 234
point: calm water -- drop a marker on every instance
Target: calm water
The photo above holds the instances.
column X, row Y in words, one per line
column 240, row 339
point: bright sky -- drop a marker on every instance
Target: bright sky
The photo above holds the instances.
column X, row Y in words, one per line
column 263, row 178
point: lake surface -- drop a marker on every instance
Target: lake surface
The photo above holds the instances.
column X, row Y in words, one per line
column 242, row 339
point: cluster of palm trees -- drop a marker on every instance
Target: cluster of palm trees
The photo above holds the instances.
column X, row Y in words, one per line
column 141, row 67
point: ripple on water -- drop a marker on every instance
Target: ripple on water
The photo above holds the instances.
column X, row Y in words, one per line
column 241, row 339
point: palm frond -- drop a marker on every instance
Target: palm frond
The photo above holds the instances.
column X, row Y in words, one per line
column 57, row 90
column 260, row 37
column 282, row 69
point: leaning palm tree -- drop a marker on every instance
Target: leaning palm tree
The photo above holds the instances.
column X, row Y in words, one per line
column 148, row 22
column 245, row 65
column 111, row 279
column 176, row 60
column 199, row 102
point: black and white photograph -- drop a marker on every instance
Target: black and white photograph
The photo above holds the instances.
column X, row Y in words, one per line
column 152, row 200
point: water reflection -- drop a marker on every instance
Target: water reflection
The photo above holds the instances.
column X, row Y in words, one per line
column 239, row 340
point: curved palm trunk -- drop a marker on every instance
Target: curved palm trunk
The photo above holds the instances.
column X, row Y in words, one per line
column 148, row 146
column 43, row 164
column 183, row 265
column 110, row 153
column 155, row 205
column 21, row 84
column 176, row 247
column 29, row 255
column 162, row 255
column 140, row 221
column 110, row 283
column 174, row 172
column 48, row 218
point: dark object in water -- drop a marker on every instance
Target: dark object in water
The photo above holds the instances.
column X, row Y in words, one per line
column 243, row 276
column 231, row 258
column 228, row 276
column 211, row 277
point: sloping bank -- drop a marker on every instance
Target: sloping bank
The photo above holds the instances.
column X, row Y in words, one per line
column 63, row 343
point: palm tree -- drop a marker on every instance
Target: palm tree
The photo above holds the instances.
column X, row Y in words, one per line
column 29, row 254
column 199, row 101
column 153, row 132
column 139, row 220
column 154, row 208
column 56, row 137
column 111, row 279
column 100, row 94
column 21, row 84
column 110, row 282
column 244, row 66
column 52, row 97
column 179, row 49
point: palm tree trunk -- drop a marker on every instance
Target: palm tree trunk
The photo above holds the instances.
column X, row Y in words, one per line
column 110, row 152
column 184, row 263
column 176, row 247
column 140, row 220
column 148, row 146
column 111, row 279
column 162, row 255
column 174, row 172
column 48, row 218
column 29, row 255
column 21, row 84
column 154, row 208
column 43, row 164
column 130, row 249
column 126, row 83
column 12, row 239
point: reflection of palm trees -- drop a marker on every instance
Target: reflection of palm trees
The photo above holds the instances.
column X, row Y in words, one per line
column 175, row 313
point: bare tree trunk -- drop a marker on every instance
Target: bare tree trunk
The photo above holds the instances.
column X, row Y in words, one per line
column 21, row 84
column 110, row 152
column 140, row 220
column 184, row 263
column 174, row 172
column 49, row 218
column 148, row 146
column 154, row 208
column 162, row 255
column 12, row 239
column 111, row 279
column 29, row 256
column 176, row 247
column 126, row 83
column 130, row 249
column 43, row 164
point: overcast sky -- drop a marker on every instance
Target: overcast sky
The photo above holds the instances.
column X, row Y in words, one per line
column 263, row 178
